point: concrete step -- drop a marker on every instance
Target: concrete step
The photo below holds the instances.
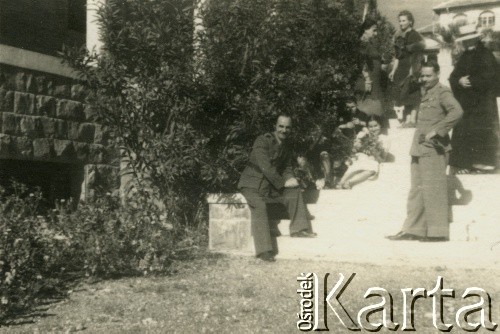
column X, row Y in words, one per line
column 352, row 224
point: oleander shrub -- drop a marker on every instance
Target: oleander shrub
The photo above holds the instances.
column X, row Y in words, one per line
column 142, row 85
column 187, row 104
column 261, row 58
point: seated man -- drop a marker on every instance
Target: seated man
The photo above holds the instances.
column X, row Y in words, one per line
column 354, row 120
column 268, row 178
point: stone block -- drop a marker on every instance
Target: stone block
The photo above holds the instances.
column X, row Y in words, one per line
column 31, row 126
column 31, row 86
column 97, row 154
column 229, row 228
column 50, row 87
column 45, row 105
column 11, row 123
column 6, row 100
column 81, row 151
column 22, row 148
column 41, row 87
column 3, row 79
column 83, row 132
column 73, row 130
column 229, row 211
column 54, row 128
column 61, row 129
column 86, row 132
column 42, row 148
column 62, row 91
column 24, row 103
column 102, row 134
column 5, row 143
column 70, row 110
column 64, row 150
column 78, row 92
column 20, row 82
column 90, row 113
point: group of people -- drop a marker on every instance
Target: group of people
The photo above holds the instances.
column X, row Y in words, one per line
column 366, row 141
column 469, row 108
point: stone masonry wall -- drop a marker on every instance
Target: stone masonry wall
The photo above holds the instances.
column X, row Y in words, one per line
column 42, row 26
column 43, row 118
column 229, row 220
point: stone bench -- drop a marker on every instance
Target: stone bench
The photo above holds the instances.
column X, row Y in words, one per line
column 229, row 221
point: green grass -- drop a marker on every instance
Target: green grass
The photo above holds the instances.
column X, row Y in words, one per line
column 242, row 295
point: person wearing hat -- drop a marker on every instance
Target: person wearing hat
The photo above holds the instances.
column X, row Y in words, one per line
column 473, row 83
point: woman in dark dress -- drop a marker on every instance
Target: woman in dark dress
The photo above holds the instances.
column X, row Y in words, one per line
column 408, row 54
column 473, row 82
column 370, row 92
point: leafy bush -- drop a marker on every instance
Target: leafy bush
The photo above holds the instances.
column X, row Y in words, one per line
column 22, row 237
column 262, row 58
column 142, row 86
column 101, row 238
column 185, row 108
column 187, row 105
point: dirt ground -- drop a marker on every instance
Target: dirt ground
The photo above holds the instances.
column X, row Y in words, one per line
column 224, row 294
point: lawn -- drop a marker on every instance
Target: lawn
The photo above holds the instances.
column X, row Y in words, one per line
column 224, row 294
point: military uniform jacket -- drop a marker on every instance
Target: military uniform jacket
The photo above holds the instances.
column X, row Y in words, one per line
column 439, row 111
column 269, row 165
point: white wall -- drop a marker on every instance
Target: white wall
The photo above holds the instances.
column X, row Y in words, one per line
column 445, row 63
column 472, row 15
column 93, row 40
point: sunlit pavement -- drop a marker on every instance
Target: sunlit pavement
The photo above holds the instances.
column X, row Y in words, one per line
column 352, row 224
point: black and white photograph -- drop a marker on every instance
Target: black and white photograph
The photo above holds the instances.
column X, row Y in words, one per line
column 249, row 166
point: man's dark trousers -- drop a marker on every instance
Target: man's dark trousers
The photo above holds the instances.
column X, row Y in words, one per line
column 264, row 229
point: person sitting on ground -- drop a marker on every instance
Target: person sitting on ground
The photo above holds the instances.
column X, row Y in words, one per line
column 370, row 149
column 352, row 121
column 317, row 159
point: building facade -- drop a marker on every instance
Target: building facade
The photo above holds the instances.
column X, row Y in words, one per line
column 485, row 14
column 49, row 137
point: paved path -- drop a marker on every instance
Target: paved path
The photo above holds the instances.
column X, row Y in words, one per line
column 351, row 224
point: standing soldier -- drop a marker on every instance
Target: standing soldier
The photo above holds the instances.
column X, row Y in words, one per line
column 427, row 208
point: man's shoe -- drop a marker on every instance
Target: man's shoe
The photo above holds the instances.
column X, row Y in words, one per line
column 266, row 256
column 434, row 239
column 403, row 236
column 303, row 234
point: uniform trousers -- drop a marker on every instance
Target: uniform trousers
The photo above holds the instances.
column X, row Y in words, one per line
column 427, row 207
column 264, row 229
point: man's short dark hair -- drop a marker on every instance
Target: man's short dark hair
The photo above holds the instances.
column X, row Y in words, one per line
column 431, row 63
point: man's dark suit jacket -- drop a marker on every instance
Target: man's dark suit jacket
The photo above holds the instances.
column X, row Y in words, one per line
column 269, row 165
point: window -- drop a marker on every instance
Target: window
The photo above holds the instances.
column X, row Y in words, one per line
column 459, row 20
column 77, row 15
column 486, row 19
